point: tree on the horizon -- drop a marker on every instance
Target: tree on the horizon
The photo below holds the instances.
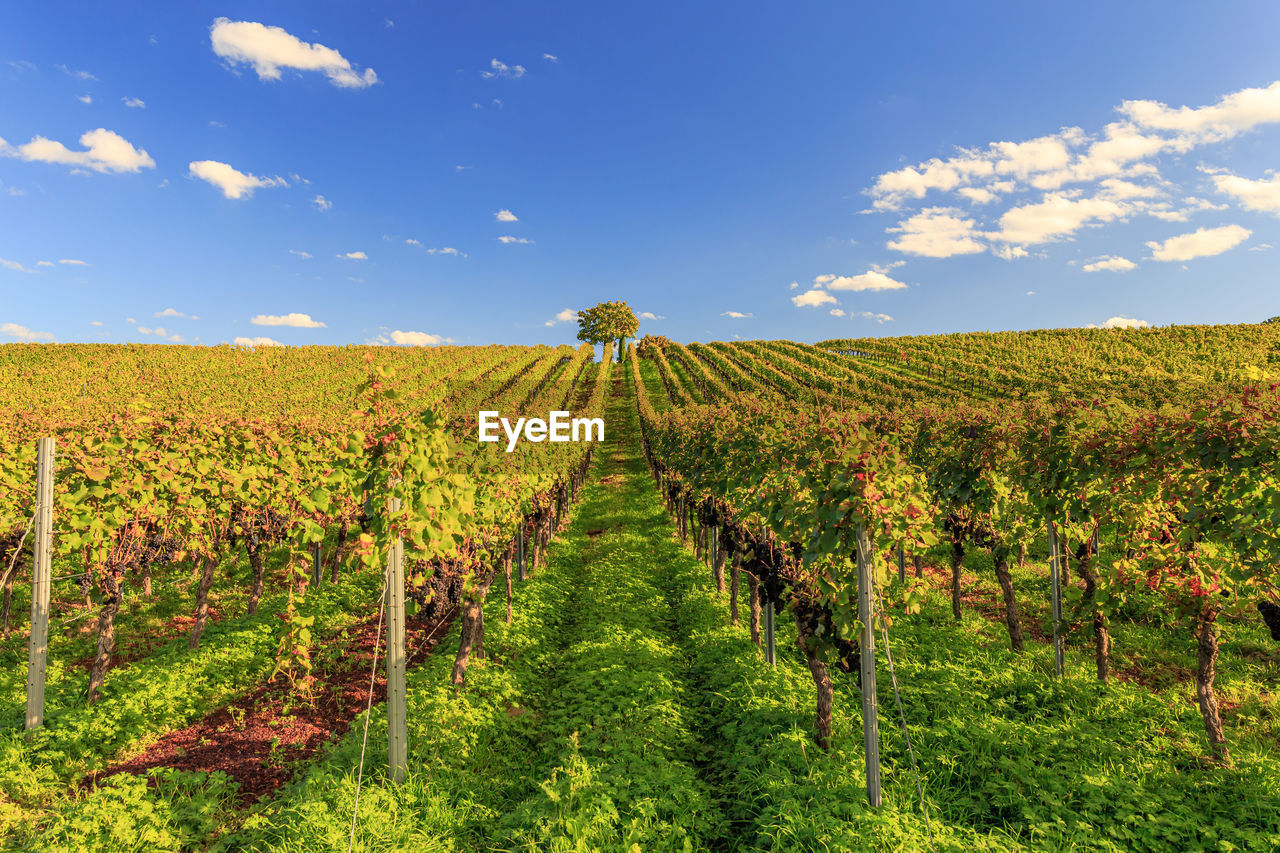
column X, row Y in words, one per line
column 608, row 321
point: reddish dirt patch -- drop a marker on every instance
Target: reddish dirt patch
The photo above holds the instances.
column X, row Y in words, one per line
column 984, row 598
column 1156, row 677
column 254, row 741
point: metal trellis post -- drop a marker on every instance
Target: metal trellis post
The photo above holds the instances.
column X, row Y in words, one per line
column 867, row 659
column 1055, row 584
column 41, row 582
column 397, row 732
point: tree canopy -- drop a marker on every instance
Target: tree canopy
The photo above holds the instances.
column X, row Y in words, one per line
column 606, row 322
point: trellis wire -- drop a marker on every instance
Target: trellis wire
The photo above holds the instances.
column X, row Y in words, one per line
column 902, row 719
column 364, row 742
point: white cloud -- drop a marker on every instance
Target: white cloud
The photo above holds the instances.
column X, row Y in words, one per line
column 1121, row 323
column 1200, row 243
column 162, row 332
column 304, row 255
column 836, row 312
column 79, row 75
column 95, row 323
column 45, row 264
column 793, row 285
column 1261, row 247
column 870, row 280
column 297, row 321
column 447, row 250
column 497, row 102
column 879, row 318
column 649, row 315
column 135, row 103
column 500, row 69
column 936, row 232
column 170, row 312
column 269, row 49
column 1231, row 115
column 22, row 333
column 977, row 195
column 232, row 182
column 568, row 315
column 550, row 58
column 1262, row 195
column 215, row 123
column 505, row 215
column 509, row 239
column 1031, row 293
column 130, row 320
column 1055, row 217
column 106, row 151
column 322, row 203
column 257, row 342
column 85, row 99
column 73, row 262
column 813, row 298
column 1111, row 263
column 355, row 256
column 15, row 266
column 415, row 339
column 737, row 315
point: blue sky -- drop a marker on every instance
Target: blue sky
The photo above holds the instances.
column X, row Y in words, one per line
column 198, row 172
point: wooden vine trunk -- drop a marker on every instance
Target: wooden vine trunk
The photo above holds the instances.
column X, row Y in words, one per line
column 106, row 635
column 1207, row 660
column 258, row 565
column 1012, row 617
column 202, row 602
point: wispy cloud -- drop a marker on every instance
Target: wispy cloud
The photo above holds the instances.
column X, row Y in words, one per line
column 295, row 320
column 549, row 58
column 501, row 69
column 322, row 203
column 505, row 215
column 306, row 256
column 737, row 315
column 270, row 49
column 256, row 342
column 879, row 318
column 73, row 262
column 509, row 239
column 135, row 103
column 649, row 315
column 355, row 256
column 162, row 332
column 22, row 333
column 170, row 312
column 85, row 99
column 79, row 75
column 15, row 266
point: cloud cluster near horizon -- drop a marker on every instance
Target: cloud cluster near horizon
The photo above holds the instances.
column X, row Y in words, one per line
column 1009, row 197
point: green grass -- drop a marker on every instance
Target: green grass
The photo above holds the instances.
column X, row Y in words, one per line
column 620, row 712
